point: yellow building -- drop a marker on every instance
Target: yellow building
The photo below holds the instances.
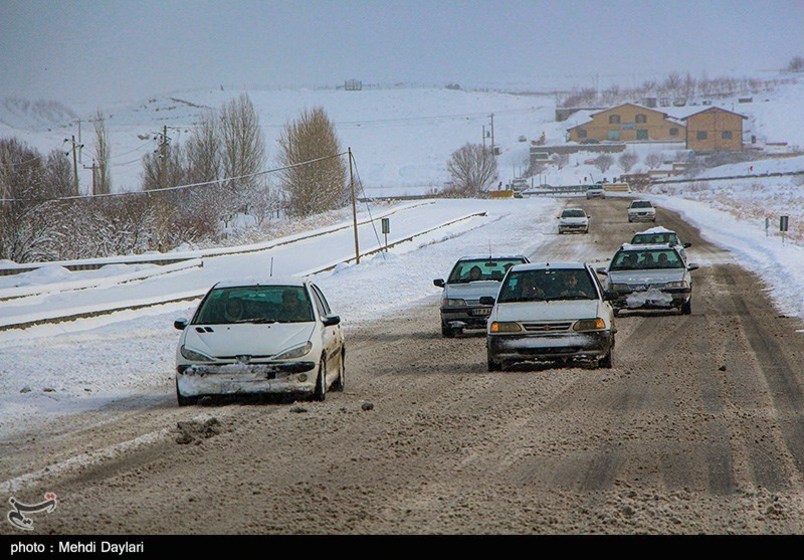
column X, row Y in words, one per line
column 715, row 130
column 629, row 123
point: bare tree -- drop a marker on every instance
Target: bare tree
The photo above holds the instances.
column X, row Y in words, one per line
column 627, row 160
column 472, row 168
column 319, row 186
column 603, row 162
column 103, row 178
column 560, row 160
column 243, row 148
column 653, row 160
column 59, row 175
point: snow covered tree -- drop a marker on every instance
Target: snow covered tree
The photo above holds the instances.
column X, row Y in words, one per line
column 603, row 162
column 472, row 168
column 103, row 178
column 243, row 149
column 627, row 160
column 319, row 186
column 653, row 160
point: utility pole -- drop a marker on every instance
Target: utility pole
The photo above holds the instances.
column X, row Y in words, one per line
column 80, row 152
column 354, row 207
column 492, row 135
column 94, row 169
column 75, row 167
column 484, row 137
column 162, row 150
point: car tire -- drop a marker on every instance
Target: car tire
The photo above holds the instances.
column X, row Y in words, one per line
column 686, row 307
column 616, row 312
column 492, row 365
column 447, row 332
column 320, row 392
column 340, row 383
column 184, row 401
column 606, row 361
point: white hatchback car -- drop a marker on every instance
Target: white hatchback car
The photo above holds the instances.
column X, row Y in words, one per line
column 573, row 219
column 267, row 336
column 550, row 312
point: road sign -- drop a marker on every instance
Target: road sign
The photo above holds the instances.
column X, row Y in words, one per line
column 386, row 225
column 783, row 223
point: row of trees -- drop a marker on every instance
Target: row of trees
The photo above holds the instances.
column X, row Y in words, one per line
column 674, row 85
column 223, row 161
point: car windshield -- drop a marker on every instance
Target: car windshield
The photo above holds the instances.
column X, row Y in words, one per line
column 255, row 304
column 654, row 238
column 641, row 204
column 643, row 260
column 481, row 269
column 573, row 214
column 547, row 284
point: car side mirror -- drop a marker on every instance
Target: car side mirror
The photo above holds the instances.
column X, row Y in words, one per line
column 331, row 320
column 602, row 271
column 438, row 282
column 486, row 300
column 687, row 245
column 180, row 324
column 692, row 266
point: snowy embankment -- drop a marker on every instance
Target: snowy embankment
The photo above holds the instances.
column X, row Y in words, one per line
column 780, row 265
column 82, row 365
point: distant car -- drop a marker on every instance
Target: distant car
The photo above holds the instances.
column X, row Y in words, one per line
column 659, row 235
column 550, row 312
column 271, row 336
column 573, row 220
column 471, row 278
column 595, row 191
column 649, row 277
column 641, row 211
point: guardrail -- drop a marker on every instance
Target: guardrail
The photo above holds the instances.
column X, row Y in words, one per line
column 567, row 189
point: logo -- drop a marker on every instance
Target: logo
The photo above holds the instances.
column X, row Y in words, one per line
column 17, row 516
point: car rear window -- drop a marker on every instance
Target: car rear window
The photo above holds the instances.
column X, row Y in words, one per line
column 654, row 238
column 644, row 260
column 256, row 304
column 481, row 269
column 641, row 204
column 573, row 214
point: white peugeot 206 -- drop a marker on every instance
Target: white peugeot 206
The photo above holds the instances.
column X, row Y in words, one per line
column 271, row 336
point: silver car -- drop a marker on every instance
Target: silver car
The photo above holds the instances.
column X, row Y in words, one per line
column 658, row 235
column 550, row 312
column 472, row 278
column 264, row 336
column 649, row 277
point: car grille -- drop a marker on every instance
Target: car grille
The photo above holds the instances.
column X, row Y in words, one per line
column 546, row 327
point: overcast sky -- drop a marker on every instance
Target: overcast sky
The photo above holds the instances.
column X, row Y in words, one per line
column 106, row 51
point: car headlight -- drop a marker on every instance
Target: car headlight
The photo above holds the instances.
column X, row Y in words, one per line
column 619, row 287
column 194, row 356
column 454, row 302
column 296, row 352
column 681, row 284
column 589, row 325
column 505, row 327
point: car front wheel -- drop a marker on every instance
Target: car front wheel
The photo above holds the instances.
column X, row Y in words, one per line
column 686, row 307
column 340, row 383
column 183, row 400
column 321, row 382
column 606, row 361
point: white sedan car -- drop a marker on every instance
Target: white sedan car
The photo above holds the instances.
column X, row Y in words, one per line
column 641, row 211
column 271, row 336
column 552, row 312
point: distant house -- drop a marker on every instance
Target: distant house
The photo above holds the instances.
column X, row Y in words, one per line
column 629, row 122
column 715, row 130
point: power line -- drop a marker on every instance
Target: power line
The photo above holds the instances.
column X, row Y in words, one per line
column 178, row 187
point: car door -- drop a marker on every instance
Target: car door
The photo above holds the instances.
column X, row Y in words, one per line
column 332, row 336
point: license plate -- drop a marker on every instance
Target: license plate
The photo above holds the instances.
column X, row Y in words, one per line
column 481, row 311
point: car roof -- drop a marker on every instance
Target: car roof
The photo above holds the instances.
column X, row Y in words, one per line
column 490, row 257
column 574, row 208
column 261, row 281
column 647, row 247
column 657, row 229
column 546, row 265
column 642, row 200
